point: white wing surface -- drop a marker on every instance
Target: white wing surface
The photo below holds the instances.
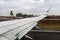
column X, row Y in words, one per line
column 9, row 30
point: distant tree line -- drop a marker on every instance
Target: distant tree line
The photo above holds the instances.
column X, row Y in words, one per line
column 21, row 15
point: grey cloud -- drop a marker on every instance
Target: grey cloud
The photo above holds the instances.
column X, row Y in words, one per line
column 28, row 6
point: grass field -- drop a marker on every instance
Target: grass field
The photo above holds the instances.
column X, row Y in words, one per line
column 49, row 24
column 8, row 19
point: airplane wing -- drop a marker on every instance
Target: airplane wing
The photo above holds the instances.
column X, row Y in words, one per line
column 10, row 30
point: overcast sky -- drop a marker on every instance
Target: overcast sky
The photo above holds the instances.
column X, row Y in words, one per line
column 29, row 6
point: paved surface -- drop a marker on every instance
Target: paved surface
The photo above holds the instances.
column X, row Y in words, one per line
column 44, row 35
